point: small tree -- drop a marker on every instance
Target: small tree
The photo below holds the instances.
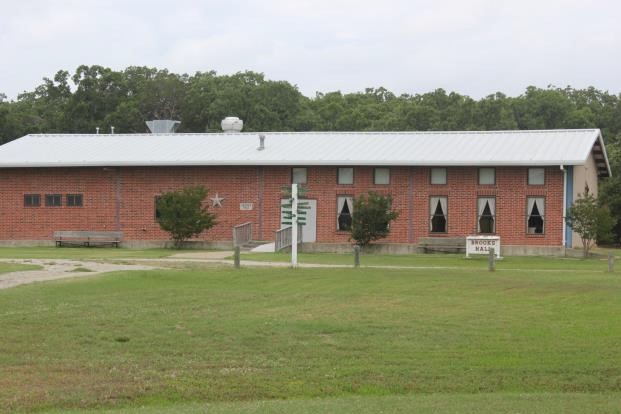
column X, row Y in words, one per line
column 590, row 220
column 371, row 218
column 182, row 214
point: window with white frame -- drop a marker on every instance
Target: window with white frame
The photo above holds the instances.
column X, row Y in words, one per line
column 536, row 176
column 298, row 175
column 345, row 175
column 438, row 217
column 344, row 210
column 438, row 176
column 381, row 176
column 487, row 176
column 486, row 210
column 535, row 215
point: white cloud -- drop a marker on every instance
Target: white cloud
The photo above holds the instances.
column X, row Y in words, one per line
column 474, row 47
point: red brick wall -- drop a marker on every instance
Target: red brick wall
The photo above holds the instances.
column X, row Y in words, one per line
column 511, row 191
column 123, row 198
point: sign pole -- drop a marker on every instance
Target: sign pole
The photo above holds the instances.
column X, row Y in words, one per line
column 294, row 225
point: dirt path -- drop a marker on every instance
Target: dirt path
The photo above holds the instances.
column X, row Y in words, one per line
column 54, row 269
column 210, row 255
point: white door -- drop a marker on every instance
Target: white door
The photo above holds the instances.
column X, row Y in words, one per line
column 309, row 229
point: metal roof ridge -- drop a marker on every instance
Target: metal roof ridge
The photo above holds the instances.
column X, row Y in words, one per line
column 254, row 133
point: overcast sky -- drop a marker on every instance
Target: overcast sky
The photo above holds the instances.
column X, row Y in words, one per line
column 408, row 46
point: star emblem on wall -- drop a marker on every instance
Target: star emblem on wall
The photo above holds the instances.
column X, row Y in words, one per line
column 216, row 201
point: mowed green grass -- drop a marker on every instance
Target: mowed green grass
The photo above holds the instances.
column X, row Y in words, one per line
column 16, row 267
column 83, row 253
column 457, row 261
column 440, row 340
column 543, row 403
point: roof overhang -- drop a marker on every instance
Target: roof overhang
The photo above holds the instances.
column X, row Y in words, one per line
column 600, row 157
column 290, row 163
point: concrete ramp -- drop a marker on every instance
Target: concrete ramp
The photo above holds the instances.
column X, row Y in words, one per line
column 265, row 248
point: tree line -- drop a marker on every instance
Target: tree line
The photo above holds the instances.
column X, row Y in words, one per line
column 96, row 96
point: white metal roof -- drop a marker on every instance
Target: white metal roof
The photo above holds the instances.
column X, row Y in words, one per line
column 526, row 148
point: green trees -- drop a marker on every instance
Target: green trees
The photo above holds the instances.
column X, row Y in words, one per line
column 590, row 220
column 182, row 214
column 371, row 218
column 96, row 96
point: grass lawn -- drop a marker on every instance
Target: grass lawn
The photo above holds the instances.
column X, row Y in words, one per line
column 83, row 253
column 15, row 267
column 438, row 260
column 324, row 340
column 545, row 403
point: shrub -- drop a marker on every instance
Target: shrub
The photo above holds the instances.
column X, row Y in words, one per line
column 371, row 218
column 590, row 220
column 182, row 214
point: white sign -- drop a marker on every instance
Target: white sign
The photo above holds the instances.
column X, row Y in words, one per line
column 482, row 244
column 245, row 206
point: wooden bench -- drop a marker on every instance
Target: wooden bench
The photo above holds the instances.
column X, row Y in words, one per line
column 442, row 244
column 88, row 238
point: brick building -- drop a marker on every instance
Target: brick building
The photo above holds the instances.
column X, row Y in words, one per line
column 514, row 184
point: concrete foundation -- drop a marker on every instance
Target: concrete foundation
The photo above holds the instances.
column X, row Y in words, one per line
column 343, row 248
column 404, row 248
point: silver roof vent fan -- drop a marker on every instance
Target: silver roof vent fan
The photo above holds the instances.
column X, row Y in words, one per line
column 232, row 124
column 163, row 126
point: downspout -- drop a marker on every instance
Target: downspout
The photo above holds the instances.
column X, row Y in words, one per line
column 564, row 206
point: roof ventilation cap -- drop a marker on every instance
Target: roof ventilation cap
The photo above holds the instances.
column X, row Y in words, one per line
column 163, row 126
column 261, row 146
column 232, row 124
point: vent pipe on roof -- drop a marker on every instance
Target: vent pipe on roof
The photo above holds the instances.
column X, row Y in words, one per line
column 163, row 126
column 112, row 130
column 232, row 124
column 261, row 146
column 97, row 130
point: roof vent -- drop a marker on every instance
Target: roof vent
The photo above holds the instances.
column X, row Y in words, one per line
column 163, row 126
column 232, row 124
column 261, row 146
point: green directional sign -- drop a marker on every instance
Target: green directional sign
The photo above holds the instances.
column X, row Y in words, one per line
column 288, row 216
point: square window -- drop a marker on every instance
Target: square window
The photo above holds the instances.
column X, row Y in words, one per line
column 487, row 176
column 346, row 175
column 32, row 200
column 438, row 176
column 74, row 200
column 298, row 175
column 381, row 176
column 536, row 176
column 53, row 200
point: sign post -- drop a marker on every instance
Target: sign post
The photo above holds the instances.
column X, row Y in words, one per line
column 294, row 225
column 294, row 215
column 483, row 245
